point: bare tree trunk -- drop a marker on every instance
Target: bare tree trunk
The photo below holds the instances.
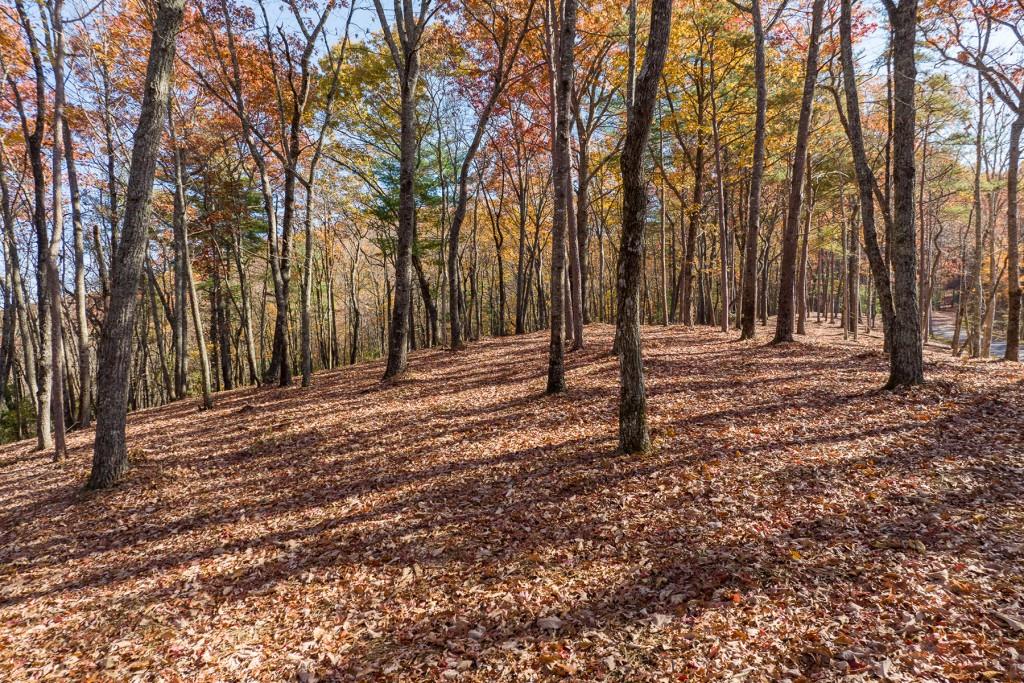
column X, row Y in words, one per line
column 158, row 327
column 906, row 360
column 633, row 432
column 563, row 39
column 662, row 265
column 28, row 355
column 246, row 310
column 1013, row 240
column 84, row 352
column 55, row 288
column 34, row 143
column 853, row 277
column 574, row 271
column 406, row 59
column 723, row 232
column 974, row 308
column 748, row 312
column 432, row 332
column 110, row 456
column 694, row 220
column 790, row 237
column 583, row 220
column 801, row 281
column 866, row 182
column 844, row 299
column 307, row 287
column 205, row 372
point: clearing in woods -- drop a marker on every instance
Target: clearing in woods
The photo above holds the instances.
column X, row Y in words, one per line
column 457, row 524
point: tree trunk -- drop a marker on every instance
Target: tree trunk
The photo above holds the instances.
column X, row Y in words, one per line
column 633, row 432
column 865, row 178
column 562, row 71
column 694, row 219
column 307, row 288
column 1013, row 240
column 84, row 352
column 110, row 454
column 749, row 295
column 24, row 323
column 574, row 272
column 801, row 281
column 723, row 232
column 583, row 219
column 398, row 334
column 790, row 237
column 246, row 310
column 906, row 360
column 973, row 309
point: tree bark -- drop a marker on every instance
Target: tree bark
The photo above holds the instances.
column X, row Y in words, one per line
column 110, row 456
column 633, row 432
column 406, row 58
column 801, row 281
column 784, row 322
column 906, row 360
column 748, row 312
column 84, row 352
column 1013, row 240
column 564, row 40
column 723, row 232
column 867, row 185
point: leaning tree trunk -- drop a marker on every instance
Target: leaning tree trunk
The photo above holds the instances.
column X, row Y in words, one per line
column 110, row 456
column 462, row 199
column 865, row 177
column 784, row 322
column 633, row 433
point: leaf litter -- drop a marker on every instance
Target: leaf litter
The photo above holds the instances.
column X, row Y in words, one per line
column 792, row 522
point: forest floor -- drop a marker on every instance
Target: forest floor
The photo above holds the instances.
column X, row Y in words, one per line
column 791, row 522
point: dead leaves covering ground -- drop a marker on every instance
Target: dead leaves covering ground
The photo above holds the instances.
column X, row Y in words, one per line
column 792, row 522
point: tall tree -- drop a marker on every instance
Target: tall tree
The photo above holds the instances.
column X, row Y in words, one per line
column 409, row 26
column 110, row 455
column 784, row 322
column 907, row 362
column 867, row 184
column 562, row 17
column 54, row 286
column 84, row 347
column 748, row 297
column 633, row 432
column 34, row 130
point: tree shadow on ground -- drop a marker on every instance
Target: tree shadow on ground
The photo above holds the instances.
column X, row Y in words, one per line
column 439, row 517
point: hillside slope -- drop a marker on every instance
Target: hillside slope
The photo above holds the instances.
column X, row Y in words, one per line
column 458, row 525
